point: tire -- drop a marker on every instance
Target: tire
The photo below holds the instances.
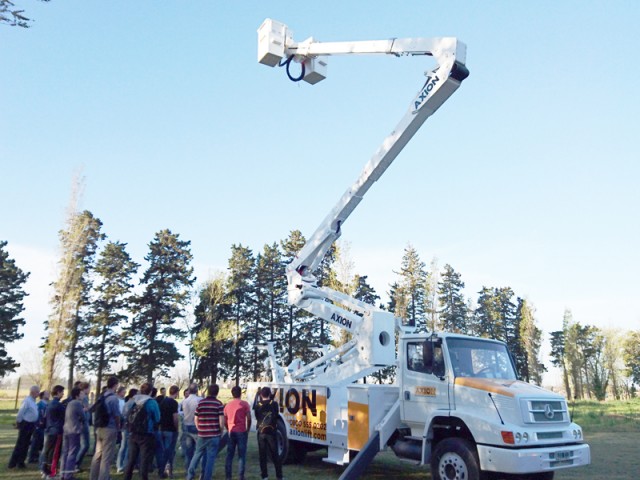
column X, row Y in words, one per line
column 455, row 459
column 281, row 441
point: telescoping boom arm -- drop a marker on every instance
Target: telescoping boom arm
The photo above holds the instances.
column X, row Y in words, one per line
column 277, row 47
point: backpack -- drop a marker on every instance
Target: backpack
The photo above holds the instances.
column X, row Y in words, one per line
column 138, row 419
column 101, row 413
column 267, row 424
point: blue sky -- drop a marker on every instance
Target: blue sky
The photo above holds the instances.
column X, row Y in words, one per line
column 527, row 177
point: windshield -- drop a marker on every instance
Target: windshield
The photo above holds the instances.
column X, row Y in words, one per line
column 480, row 359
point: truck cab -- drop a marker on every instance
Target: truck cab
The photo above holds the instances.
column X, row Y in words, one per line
column 466, row 411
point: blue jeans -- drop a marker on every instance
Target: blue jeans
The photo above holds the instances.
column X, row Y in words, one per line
column 168, row 442
column 189, row 439
column 121, row 461
column 68, row 461
column 238, row 439
column 207, row 448
column 85, row 439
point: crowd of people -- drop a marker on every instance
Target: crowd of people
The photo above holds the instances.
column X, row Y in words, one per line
column 141, row 431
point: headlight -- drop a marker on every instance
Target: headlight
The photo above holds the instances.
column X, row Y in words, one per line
column 518, row 437
column 525, row 437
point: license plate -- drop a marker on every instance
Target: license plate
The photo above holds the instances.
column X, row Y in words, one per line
column 562, row 455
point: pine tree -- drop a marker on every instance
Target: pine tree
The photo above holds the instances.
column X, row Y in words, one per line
column 151, row 338
column 412, row 293
column 241, row 292
column 100, row 341
column 79, row 243
column 301, row 328
column 213, row 333
column 433, row 280
column 271, row 291
column 486, row 318
column 325, row 277
column 12, row 295
column 453, row 309
column 495, row 316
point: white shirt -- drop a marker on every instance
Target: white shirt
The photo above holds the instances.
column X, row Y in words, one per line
column 189, row 405
column 28, row 411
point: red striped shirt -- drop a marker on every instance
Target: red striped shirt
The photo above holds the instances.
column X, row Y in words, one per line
column 208, row 412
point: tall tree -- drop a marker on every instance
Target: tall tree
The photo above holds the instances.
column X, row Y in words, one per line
column 153, row 332
column 613, row 360
column 12, row 294
column 100, row 342
column 412, row 288
column 302, row 332
column 214, row 332
column 631, row 356
column 271, row 291
column 528, row 363
column 559, row 356
column 432, row 305
column 495, row 315
column 241, row 291
column 325, row 275
column 453, row 309
column 78, row 244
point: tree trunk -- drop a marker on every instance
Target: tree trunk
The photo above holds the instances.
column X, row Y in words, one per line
column 154, row 330
column 565, row 376
column 73, row 345
column 290, row 336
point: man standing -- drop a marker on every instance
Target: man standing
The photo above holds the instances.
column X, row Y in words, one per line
column 237, row 420
column 267, row 411
column 168, row 432
column 37, row 440
column 209, row 417
column 73, row 423
column 26, row 421
column 107, row 423
column 190, row 432
column 142, row 418
column 85, row 436
column 53, row 432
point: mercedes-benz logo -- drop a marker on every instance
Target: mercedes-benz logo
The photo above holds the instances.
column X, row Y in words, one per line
column 548, row 412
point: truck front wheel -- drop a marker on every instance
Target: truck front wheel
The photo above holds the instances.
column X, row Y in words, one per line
column 455, row 459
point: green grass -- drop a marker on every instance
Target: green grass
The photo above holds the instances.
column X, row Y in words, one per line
column 610, row 428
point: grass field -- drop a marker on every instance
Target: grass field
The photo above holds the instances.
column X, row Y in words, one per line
column 612, row 429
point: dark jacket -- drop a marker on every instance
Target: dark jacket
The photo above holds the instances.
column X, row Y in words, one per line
column 266, row 416
column 55, row 417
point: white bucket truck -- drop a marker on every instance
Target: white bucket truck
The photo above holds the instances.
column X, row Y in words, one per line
column 457, row 405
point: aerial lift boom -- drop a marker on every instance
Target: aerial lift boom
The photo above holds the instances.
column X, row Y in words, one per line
column 372, row 346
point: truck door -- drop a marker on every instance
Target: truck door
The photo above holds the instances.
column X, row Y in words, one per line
column 423, row 382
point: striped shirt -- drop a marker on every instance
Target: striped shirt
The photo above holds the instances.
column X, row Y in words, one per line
column 208, row 412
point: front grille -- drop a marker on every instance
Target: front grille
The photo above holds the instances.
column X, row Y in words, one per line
column 545, row 411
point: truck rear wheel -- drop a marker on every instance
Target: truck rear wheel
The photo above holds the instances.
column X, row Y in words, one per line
column 281, row 441
column 455, row 459
column 289, row 451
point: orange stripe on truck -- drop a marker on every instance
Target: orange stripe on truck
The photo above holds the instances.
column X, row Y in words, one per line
column 492, row 385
